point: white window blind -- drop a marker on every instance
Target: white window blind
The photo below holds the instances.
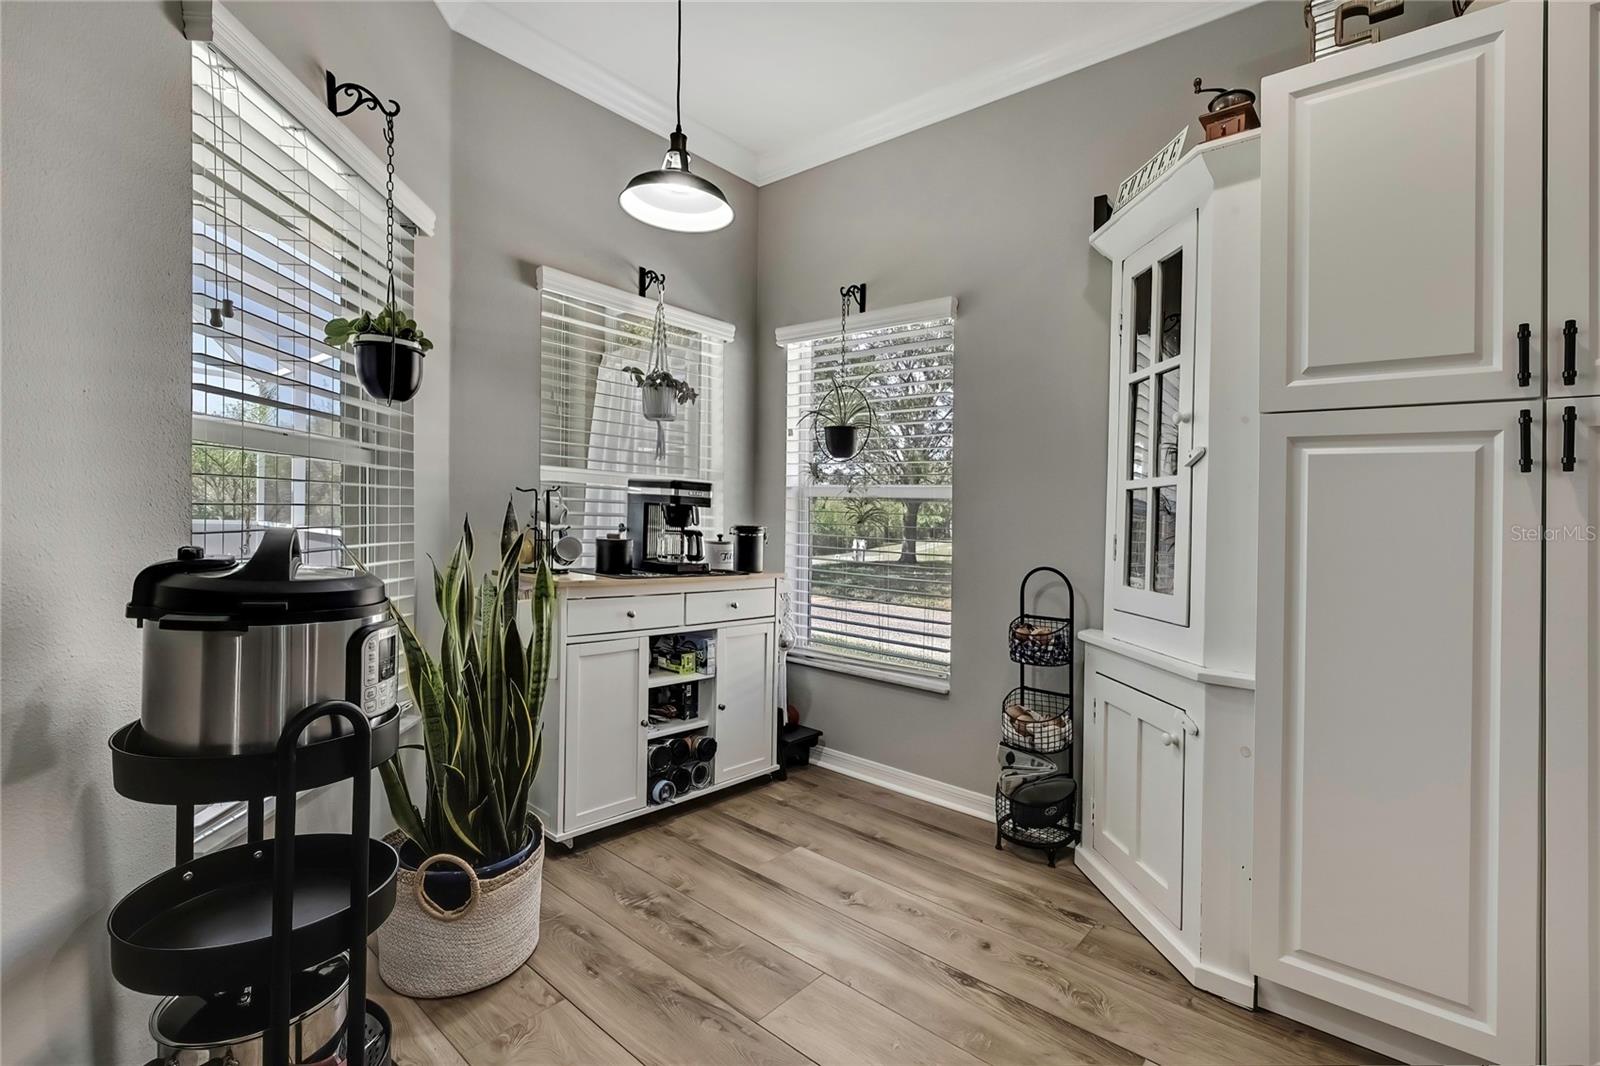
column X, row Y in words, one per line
column 869, row 544
column 592, row 433
column 286, row 236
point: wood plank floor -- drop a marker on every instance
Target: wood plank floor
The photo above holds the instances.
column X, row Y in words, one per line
column 824, row 920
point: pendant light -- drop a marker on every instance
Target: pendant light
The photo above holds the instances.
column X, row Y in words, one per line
column 672, row 198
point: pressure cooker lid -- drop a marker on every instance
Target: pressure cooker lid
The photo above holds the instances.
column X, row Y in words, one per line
column 235, row 1017
column 269, row 588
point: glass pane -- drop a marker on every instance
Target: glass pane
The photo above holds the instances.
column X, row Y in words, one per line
column 1141, row 321
column 1166, row 545
column 1167, row 424
column 1138, row 504
column 1171, row 306
column 1139, row 429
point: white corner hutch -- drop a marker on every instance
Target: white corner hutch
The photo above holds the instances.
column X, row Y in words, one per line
column 1169, row 678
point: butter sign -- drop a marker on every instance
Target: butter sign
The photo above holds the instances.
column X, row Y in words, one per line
column 1151, row 170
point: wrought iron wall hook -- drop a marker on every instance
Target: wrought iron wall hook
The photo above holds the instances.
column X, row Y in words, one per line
column 648, row 278
column 856, row 292
column 361, row 97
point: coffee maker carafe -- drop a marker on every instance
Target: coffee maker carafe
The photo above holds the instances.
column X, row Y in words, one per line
column 665, row 516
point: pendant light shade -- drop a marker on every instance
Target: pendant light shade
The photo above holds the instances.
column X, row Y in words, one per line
column 671, row 197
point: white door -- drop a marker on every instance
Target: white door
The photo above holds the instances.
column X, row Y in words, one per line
column 605, row 751
column 1572, row 733
column 745, row 727
column 1148, row 573
column 1136, row 808
column 1397, row 719
column 1574, row 235
column 1400, row 218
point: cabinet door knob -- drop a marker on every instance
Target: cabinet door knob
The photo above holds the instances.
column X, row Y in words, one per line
column 645, row 722
column 1169, row 740
column 633, row 614
column 722, row 706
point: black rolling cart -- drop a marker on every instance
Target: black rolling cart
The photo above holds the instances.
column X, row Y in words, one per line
column 247, row 920
column 1036, row 797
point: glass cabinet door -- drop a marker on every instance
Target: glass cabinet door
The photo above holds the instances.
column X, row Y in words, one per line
column 1150, row 547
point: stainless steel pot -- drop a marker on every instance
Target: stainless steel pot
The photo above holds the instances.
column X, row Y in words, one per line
column 230, row 1029
column 232, row 651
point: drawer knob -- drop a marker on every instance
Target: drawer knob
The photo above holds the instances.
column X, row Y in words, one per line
column 734, row 604
column 633, row 614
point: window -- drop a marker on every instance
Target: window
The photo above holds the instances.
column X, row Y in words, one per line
column 592, row 432
column 869, row 541
column 284, row 237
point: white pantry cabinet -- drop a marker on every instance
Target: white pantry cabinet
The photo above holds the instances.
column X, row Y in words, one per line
column 1398, row 727
column 1400, row 218
column 1574, row 184
column 597, row 726
column 1167, row 771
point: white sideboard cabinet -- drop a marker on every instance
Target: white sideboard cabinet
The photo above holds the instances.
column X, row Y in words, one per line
column 1168, row 677
column 597, row 724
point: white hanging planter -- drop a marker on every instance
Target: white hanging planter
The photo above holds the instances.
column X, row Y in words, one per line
column 660, row 403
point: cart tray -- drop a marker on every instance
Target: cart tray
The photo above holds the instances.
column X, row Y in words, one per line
column 207, row 925
column 142, row 772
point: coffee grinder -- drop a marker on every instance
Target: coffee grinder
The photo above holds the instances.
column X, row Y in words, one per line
column 664, row 516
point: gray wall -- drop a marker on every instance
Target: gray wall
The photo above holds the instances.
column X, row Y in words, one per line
column 537, row 172
column 992, row 207
column 95, row 238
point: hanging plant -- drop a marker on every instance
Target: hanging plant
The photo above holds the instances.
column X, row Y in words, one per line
column 660, row 392
column 389, row 345
column 844, row 419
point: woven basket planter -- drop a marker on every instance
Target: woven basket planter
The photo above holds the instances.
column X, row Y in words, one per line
column 427, row 951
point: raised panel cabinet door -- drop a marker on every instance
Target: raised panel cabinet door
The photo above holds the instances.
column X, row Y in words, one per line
column 1572, row 732
column 1137, row 805
column 1397, row 719
column 1574, row 184
column 745, row 728
column 604, row 752
column 1401, row 192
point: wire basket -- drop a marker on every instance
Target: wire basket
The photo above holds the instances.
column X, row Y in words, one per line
column 1036, row 719
column 1049, row 838
column 1041, row 640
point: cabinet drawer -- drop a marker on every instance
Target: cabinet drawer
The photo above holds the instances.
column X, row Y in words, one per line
column 730, row 605
column 619, row 614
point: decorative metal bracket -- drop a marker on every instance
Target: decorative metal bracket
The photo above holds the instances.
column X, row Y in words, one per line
column 361, row 96
column 856, row 292
column 647, row 278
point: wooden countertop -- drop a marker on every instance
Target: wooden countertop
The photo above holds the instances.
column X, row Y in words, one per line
column 581, row 584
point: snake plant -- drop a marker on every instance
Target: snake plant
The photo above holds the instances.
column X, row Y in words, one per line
column 480, row 700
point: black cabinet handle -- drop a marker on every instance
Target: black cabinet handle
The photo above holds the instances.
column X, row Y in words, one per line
column 1524, row 369
column 1569, row 365
column 1525, row 432
column 1569, row 439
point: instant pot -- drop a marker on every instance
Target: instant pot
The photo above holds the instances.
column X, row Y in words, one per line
column 233, row 650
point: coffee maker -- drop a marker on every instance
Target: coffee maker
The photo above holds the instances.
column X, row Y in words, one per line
column 664, row 517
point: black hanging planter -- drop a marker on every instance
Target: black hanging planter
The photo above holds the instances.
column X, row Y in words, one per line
column 390, row 369
column 842, row 442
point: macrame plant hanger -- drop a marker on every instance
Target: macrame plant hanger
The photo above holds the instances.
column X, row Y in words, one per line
column 658, row 362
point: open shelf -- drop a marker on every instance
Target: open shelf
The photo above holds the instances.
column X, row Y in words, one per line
column 672, row 729
column 668, row 677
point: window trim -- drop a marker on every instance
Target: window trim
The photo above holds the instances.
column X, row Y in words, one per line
column 928, row 680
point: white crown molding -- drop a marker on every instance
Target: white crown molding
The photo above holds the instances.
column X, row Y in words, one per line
column 215, row 23
column 492, row 27
column 975, row 90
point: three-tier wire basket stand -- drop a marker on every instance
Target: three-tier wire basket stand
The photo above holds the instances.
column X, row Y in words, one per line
column 1036, row 797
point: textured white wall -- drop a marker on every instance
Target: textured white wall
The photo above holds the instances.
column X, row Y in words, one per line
column 94, row 250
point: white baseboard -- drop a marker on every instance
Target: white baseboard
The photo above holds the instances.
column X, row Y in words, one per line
column 977, row 804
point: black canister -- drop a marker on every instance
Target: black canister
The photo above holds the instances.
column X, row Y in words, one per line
column 749, row 549
column 613, row 553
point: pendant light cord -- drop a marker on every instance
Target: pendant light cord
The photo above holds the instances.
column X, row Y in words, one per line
column 678, row 100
